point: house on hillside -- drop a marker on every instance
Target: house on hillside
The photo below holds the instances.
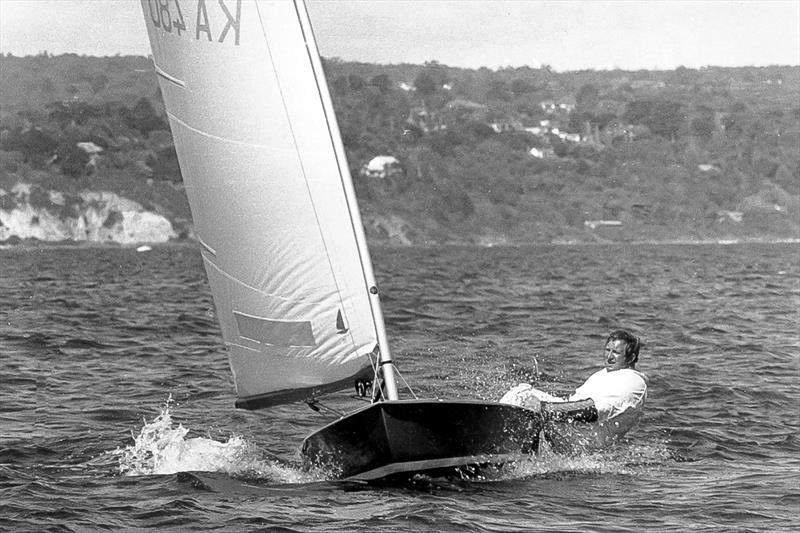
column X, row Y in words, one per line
column 92, row 150
column 566, row 136
column 545, row 130
column 594, row 224
column 89, row 147
column 542, row 153
column 567, row 104
column 461, row 103
column 419, row 117
column 564, row 105
column 382, row 167
column 735, row 216
column 502, row 126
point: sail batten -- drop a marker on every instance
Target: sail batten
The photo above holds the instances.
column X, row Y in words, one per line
column 261, row 159
column 224, row 139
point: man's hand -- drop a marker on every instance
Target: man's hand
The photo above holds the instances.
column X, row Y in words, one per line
column 532, row 402
column 575, row 411
column 517, row 395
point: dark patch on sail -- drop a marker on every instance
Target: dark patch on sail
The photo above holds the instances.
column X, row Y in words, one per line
column 340, row 326
column 275, row 332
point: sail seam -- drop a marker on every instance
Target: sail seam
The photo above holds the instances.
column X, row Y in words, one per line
column 255, row 289
column 359, row 351
column 225, row 139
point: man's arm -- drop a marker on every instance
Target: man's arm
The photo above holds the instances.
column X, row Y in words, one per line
column 574, row 411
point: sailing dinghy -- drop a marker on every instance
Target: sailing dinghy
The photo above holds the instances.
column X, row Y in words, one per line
column 283, row 245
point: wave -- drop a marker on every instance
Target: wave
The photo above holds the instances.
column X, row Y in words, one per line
column 163, row 448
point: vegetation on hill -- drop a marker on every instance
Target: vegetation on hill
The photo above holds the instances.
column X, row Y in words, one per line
column 515, row 155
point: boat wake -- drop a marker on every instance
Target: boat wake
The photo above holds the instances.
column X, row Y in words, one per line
column 625, row 458
column 163, row 448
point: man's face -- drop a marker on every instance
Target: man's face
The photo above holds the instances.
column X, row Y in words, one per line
column 615, row 355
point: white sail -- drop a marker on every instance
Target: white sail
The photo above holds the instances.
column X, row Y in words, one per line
column 261, row 158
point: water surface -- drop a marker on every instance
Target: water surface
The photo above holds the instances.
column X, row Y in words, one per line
column 95, row 340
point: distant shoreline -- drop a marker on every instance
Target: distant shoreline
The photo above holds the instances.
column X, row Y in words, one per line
column 12, row 244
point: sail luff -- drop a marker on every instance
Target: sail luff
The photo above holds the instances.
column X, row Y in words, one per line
column 371, row 286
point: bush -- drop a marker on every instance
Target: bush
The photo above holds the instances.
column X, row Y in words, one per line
column 662, row 118
column 34, row 144
column 72, row 160
column 165, row 165
column 143, row 117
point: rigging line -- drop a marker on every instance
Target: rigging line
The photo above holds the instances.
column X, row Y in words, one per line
column 406, row 383
column 375, row 369
column 361, row 399
column 373, row 362
column 316, row 405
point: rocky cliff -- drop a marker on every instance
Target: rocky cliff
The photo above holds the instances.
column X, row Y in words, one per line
column 31, row 212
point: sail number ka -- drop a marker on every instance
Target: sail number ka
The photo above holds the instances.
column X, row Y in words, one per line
column 223, row 24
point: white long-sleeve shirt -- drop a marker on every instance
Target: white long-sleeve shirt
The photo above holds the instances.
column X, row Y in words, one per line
column 619, row 397
column 615, row 392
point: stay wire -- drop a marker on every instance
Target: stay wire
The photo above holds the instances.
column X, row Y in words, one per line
column 375, row 381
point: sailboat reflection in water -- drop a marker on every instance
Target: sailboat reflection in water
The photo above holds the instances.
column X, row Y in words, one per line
column 284, row 248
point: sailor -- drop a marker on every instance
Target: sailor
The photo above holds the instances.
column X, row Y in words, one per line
column 602, row 410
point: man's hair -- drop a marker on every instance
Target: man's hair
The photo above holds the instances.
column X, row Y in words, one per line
column 632, row 344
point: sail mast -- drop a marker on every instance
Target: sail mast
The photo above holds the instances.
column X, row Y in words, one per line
column 386, row 364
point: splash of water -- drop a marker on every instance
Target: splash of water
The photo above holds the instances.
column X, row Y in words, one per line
column 622, row 458
column 163, row 448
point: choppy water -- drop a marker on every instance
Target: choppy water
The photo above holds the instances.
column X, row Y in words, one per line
column 94, row 340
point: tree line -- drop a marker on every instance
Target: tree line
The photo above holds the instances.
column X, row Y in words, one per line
column 662, row 151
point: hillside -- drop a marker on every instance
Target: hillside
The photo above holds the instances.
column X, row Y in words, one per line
column 509, row 156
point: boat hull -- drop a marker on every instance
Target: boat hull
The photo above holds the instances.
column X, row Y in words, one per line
column 422, row 436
